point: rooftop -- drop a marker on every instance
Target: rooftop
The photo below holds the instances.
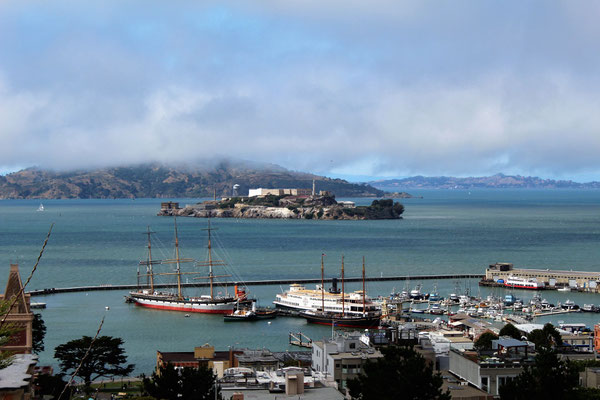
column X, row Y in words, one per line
column 15, row 375
column 324, row 393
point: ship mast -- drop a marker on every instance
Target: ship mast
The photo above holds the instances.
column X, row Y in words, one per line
column 343, row 293
column 178, row 270
column 148, row 263
column 210, row 263
column 322, row 283
column 149, row 268
column 363, row 282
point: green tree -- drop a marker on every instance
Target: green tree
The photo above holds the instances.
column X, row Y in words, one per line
column 547, row 378
column 38, row 333
column 484, row 341
column 183, row 384
column 106, row 358
column 512, row 331
column 400, row 372
column 547, row 337
column 51, row 385
column 7, row 330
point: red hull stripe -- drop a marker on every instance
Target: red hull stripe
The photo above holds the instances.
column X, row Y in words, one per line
column 186, row 309
column 521, row 287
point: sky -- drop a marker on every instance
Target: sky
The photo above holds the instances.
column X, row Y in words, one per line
column 349, row 88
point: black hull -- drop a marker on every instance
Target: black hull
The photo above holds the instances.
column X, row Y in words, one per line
column 342, row 322
column 239, row 318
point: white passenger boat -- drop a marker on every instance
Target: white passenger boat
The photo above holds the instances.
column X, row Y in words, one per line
column 523, row 283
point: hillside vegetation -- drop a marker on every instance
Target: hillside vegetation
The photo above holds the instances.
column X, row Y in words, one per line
column 154, row 180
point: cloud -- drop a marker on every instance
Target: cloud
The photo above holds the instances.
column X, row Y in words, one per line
column 364, row 88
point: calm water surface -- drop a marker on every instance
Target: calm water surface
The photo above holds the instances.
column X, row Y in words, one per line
column 96, row 242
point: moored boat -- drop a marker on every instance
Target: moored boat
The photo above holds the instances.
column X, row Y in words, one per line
column 177, row 301
column 356, row 317
column 523, row 283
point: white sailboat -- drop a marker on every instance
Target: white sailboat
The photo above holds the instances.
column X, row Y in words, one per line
column 41, row 207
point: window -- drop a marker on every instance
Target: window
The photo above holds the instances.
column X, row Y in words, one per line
column 484, row 383
column 352, row 345
column 502, row 380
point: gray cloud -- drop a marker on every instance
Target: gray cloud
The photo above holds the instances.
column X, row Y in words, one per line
column 384, row 88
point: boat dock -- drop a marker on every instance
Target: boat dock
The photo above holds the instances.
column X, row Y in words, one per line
column 295, row 339
column 44, row 292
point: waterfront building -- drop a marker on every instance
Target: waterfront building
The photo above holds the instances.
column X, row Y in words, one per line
column 242, row 359
column 169, row 206
column 19, row 316
column 342, row 358
column 279, row 192
column 585, row 280
column 489, row 370
column 205, row 355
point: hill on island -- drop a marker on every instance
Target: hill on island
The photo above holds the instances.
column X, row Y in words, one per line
column 498, row 181
column 157, row 180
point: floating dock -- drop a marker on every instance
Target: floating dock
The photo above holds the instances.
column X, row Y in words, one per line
column 296, row 340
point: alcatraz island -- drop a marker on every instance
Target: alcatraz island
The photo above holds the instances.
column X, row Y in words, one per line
column 285, row 204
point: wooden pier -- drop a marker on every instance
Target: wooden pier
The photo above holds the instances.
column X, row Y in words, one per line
column 295, row 339
column 91, row 288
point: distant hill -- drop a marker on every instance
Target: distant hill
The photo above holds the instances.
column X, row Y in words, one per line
column 156, row 180
column 498, row 181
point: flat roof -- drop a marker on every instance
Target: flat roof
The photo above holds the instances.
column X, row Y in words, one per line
column 322, row 393
column 554, row 271
column 15, row 376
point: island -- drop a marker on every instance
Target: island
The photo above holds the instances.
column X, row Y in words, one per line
column 323, row 207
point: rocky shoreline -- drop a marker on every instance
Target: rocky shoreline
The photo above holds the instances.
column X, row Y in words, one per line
column 313, row 207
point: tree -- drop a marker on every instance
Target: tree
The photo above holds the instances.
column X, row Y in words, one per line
column 51, row 385
column 7, row 330
column 547, row 378
column 484, row 341
column 400, row 372
column 185, row 383
column 547, row 337
column 106, row 358
column 512, row 331
column 38, row 333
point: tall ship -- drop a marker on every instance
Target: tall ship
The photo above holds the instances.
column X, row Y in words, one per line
column 523, row 283
column 352, row 310
column 177, row 301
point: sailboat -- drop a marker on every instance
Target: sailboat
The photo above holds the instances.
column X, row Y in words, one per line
column 151, row 298
column 41, row 207
column 354, row 313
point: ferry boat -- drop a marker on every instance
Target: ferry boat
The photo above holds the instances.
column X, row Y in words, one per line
column 177, row 301
column 351, row 311
column 523, row 283
column 300, row 299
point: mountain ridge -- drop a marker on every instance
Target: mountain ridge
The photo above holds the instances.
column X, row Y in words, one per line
column 156, row 180
column 497, row 181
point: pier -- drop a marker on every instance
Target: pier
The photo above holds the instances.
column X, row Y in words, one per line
column 92, row 288
column 583, row 281
column 295, row 339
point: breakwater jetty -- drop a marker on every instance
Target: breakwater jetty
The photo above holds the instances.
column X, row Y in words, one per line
column 48, row 291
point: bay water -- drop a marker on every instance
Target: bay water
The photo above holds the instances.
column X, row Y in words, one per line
column 99, row 242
